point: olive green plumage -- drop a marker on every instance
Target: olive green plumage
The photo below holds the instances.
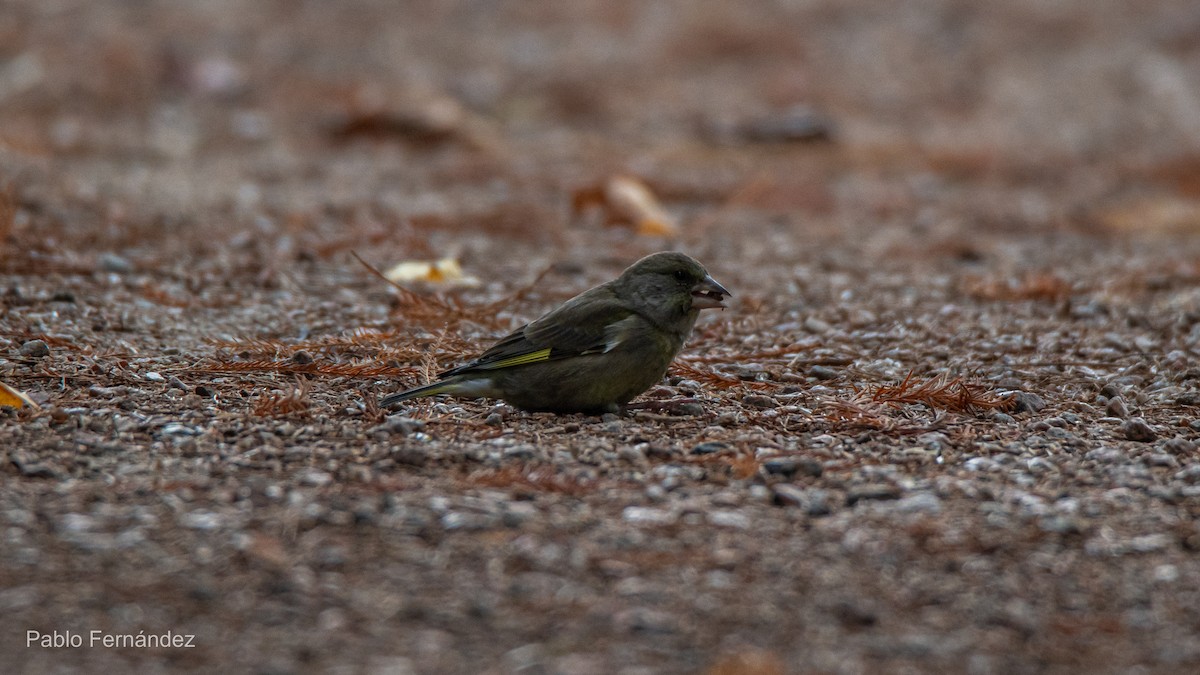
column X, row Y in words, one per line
column 597, row 350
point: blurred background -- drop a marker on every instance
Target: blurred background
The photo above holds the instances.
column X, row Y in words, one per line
column 128, row 122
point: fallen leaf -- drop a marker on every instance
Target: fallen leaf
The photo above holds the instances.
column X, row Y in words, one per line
column 1156, row 214
column 14, row 398
column 628, row 201
column 445, row 271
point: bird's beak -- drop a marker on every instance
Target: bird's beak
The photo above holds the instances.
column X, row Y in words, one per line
column 708, row 294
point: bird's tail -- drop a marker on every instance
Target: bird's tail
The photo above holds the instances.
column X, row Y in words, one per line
column 430, row 389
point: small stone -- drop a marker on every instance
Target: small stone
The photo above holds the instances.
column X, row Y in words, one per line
column 815, row 325
column 1179, row 446
column 760, row 401
column 410, row 456
column 399, row 424
column 63, row 296
column 1161, row 459
column 782, row 466
column 1027, row 401
column 1105, row 455
column 645, row 515
column 822, row 373
column 111, row 262
column 729, row 518
column 814, row 501
column 787, row 495
column 1189, row 474
column 154, row 377
column 525, row 658
column 175, row 383
column 921, row 502
column 871, row 493
column 520, row 452
column 494, row 420
column 35, row 349
column 655, row 493
column 634, row 454
column 1116, row 407
column 302, row 358
column 33, row 469
column 201, row 520
column 1136, row 429
column 810, row 466
column 315, row 478
column 709, row 447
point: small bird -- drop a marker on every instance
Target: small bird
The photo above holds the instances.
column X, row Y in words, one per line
column 596, row 351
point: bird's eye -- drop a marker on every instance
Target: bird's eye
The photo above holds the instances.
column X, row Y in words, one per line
column 681, row 275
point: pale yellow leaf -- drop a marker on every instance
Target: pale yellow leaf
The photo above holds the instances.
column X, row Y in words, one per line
column 446, row 271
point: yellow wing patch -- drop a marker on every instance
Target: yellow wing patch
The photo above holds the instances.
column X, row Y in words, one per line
column 532, row 357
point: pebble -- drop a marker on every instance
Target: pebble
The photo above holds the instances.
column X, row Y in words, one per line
column 815, row 325
column 921, row 502
column 1116, row 407
column 1027, row 401
column 871, row 493
column 35, row 349
column 520, row 452
column 822, row 373
column 315, row 478
column 796, row 124
column 782, row 466
column 729, row 518
column 1136, row 429
column 645, row 515
column 399, row 424
column 760, row 401
column 709, row 447
column 1105, row 455
column 634, row 454
column 111, row 262
column 814, row 501
column 1179, row 446
column 1189, row 474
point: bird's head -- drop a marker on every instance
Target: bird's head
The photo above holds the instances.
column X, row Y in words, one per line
column 672, row 284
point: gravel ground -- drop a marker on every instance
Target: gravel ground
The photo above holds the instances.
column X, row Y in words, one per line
column 948, row 424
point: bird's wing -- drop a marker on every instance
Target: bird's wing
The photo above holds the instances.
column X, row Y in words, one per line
column 592, row 323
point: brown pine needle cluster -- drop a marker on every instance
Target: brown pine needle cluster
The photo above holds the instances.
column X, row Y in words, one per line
column 530, row 479
column 280, row 403
column 941, row 392
column 715, row 379
column 367, row 369
column 850, row 415
column 1034, row 286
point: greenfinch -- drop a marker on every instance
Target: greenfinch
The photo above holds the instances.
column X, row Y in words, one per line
column 596, row 351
